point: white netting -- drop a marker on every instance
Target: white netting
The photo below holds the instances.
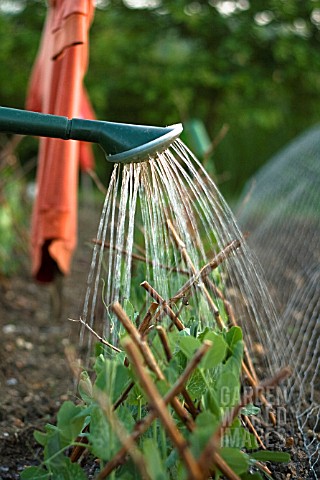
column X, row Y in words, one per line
column 280, row 209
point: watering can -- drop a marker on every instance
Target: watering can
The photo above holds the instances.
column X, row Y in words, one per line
column 121, row 142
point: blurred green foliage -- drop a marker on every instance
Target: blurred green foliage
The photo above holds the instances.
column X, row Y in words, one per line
column 253, row 65
column 14, row 214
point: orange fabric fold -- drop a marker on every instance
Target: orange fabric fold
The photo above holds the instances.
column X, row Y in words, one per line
column 56, row 87
column 73, row 31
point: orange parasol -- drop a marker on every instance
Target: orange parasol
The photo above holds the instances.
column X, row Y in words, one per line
column 56, row 87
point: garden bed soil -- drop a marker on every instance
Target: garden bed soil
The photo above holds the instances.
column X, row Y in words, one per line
column 38, row 353
column 37, row 363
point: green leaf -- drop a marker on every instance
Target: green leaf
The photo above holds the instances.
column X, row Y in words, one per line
column 227, row 388
column 153, row 460
column 234, row 362
column 172, row 459
column 69, row 422
column 35, row 473
column 40, row 437
column 250, row 409
column 53, row 451
column 216, row 353
column 206, row 424
column 101, row 437
column 112, row 378
column 164, row 385
column 235, row 435
column 196, row 385
column 250, row 442
column 180, row 362
column 73, row 471
column 126, row 475
column 43, row 437
column 233, row 336
column 188, row 345
column 205, row 419
column 270, row 456
column 68, row 471
column 237, row 460
column 135, row 396
column 122, row 377
column 128, row 471
column 172, row 371
column 126, row 418
column 211, row 403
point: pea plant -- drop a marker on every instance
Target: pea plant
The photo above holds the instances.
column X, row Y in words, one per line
column 162, row 408
column 168, row 402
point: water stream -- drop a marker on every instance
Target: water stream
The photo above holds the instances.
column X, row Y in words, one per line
column 141, row 203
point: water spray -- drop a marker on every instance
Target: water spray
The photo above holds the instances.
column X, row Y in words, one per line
column 121, row 142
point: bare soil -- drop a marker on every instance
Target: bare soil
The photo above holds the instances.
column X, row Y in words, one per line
column 36, row 353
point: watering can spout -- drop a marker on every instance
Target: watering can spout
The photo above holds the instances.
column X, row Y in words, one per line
column 121, row 142
column 124, row 142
